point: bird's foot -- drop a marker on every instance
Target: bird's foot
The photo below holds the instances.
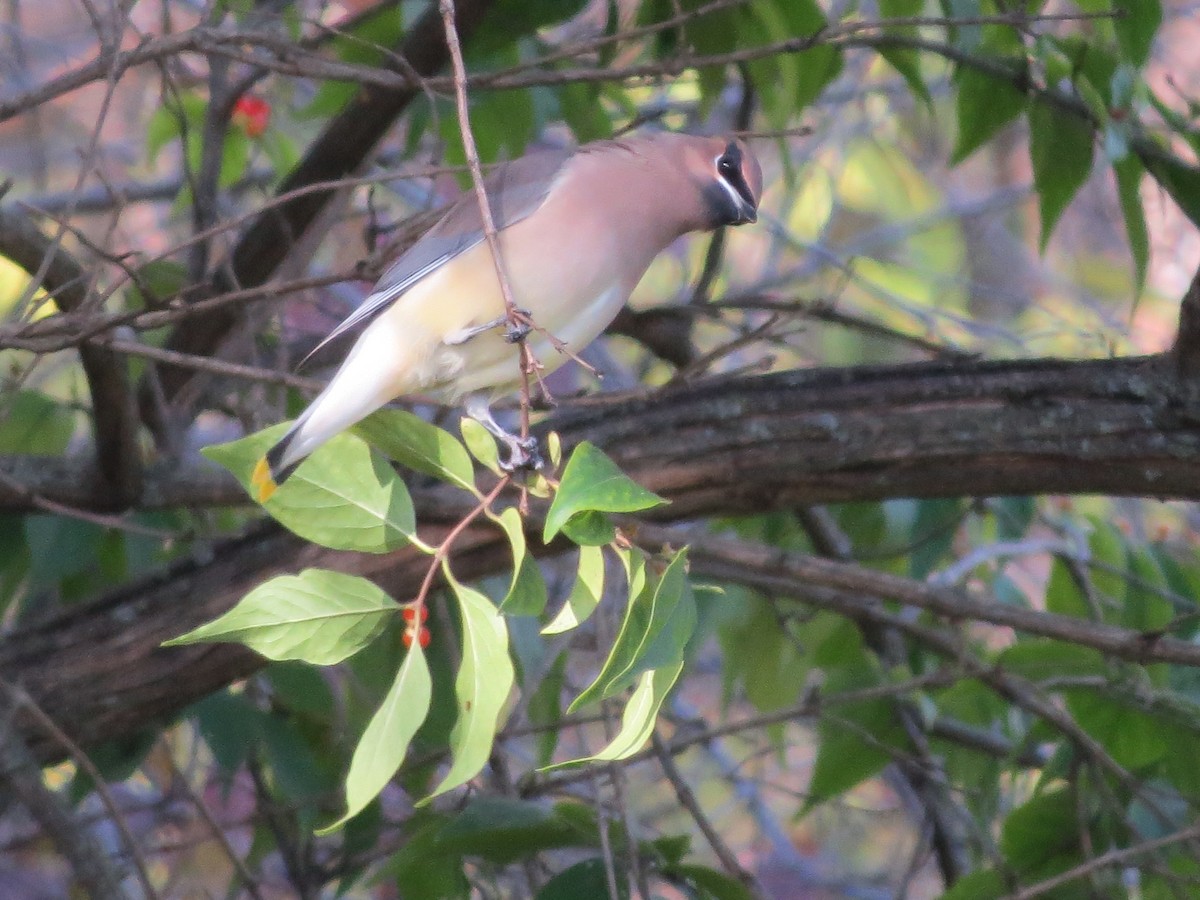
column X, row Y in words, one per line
column 517, row 330
column 524, row 455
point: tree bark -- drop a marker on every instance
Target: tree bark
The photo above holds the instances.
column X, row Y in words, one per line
column 728, row 447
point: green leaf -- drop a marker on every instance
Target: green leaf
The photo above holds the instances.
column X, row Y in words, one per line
column 1132, row 738
column 231, row 727
column 1137, row 27
column 318, row 616
column 785, row 82
column 385, row 742
column 1014, row 515
column 341, row 497
column 1129, row 173
column 1108, row 552
column 155, row 282
column 816, row 67
column 1060, row 148
column 503, row 829
column 298, row 775
column 633, row 561
column 853, row 738
column 844, row 758
column 1177, row 178
column 510, row 20
column 590, row 529
column 906, row 62
column 281, row 150
column 60, row 548
column 585, row 592
column 658, row 622
column 366, row 44
column 1045, row 827
column 235, row 156
column 714, row 884
column 1146, row 607
column 527, row 591
column 933, row 530
column 638, row 717
column 580, row 107
column 592, row 481
column 1064, row 594
column 985, row 105
column 584, row 879
column 418, row 445
column 169, row 120
column 481, row 443
column 417, row 866
column 1041, row 658
column 1181, row 762
column 545, row 708
column 300, row 688
column 710, row 35
column 987, row 884
column 484, row 681
column 769, row 661
column 32, row 422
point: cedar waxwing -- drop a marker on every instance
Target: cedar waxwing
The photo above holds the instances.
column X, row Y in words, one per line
column 577, row 230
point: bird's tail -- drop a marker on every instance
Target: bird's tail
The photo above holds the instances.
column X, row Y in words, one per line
column 271, row 471
column 365, row 382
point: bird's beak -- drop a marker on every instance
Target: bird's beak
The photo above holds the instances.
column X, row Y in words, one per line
column 747, row 214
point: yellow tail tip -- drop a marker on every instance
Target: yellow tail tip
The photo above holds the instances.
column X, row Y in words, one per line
column 262, row 482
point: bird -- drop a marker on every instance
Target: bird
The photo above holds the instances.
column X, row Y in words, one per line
column 576, row 230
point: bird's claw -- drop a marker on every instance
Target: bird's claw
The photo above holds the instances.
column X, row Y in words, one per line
column 517, row 330
column 514, row 334
column 524, row 455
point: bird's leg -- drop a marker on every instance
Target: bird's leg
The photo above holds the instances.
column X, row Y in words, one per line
column 466, row 334
column 523, row 453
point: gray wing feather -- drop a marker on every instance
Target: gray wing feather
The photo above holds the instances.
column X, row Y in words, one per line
column 514, row 191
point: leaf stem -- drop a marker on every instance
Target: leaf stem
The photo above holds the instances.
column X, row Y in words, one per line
column 441, row 553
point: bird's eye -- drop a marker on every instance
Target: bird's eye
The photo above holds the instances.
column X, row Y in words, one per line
column 725, row 166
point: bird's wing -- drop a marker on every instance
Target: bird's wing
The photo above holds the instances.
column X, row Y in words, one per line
column 514, row 191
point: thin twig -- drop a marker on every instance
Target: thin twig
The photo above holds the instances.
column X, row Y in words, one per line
column 181, row 782
column 688, row 801
column 1111, row 858
column 441, row 553
column 22, row 700
column 104, row 520
column 21, row 779
column 516, row 321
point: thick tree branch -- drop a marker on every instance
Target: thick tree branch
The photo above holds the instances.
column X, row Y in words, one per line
column 728, row 447
column 1186, row 350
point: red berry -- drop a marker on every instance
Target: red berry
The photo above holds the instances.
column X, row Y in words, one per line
column 408, row 613
column 252, row 115
column 422, row 636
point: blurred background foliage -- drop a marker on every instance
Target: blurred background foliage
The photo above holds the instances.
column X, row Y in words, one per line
column 948, row 180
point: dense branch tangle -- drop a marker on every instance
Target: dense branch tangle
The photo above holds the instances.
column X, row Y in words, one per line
column 724, row 447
